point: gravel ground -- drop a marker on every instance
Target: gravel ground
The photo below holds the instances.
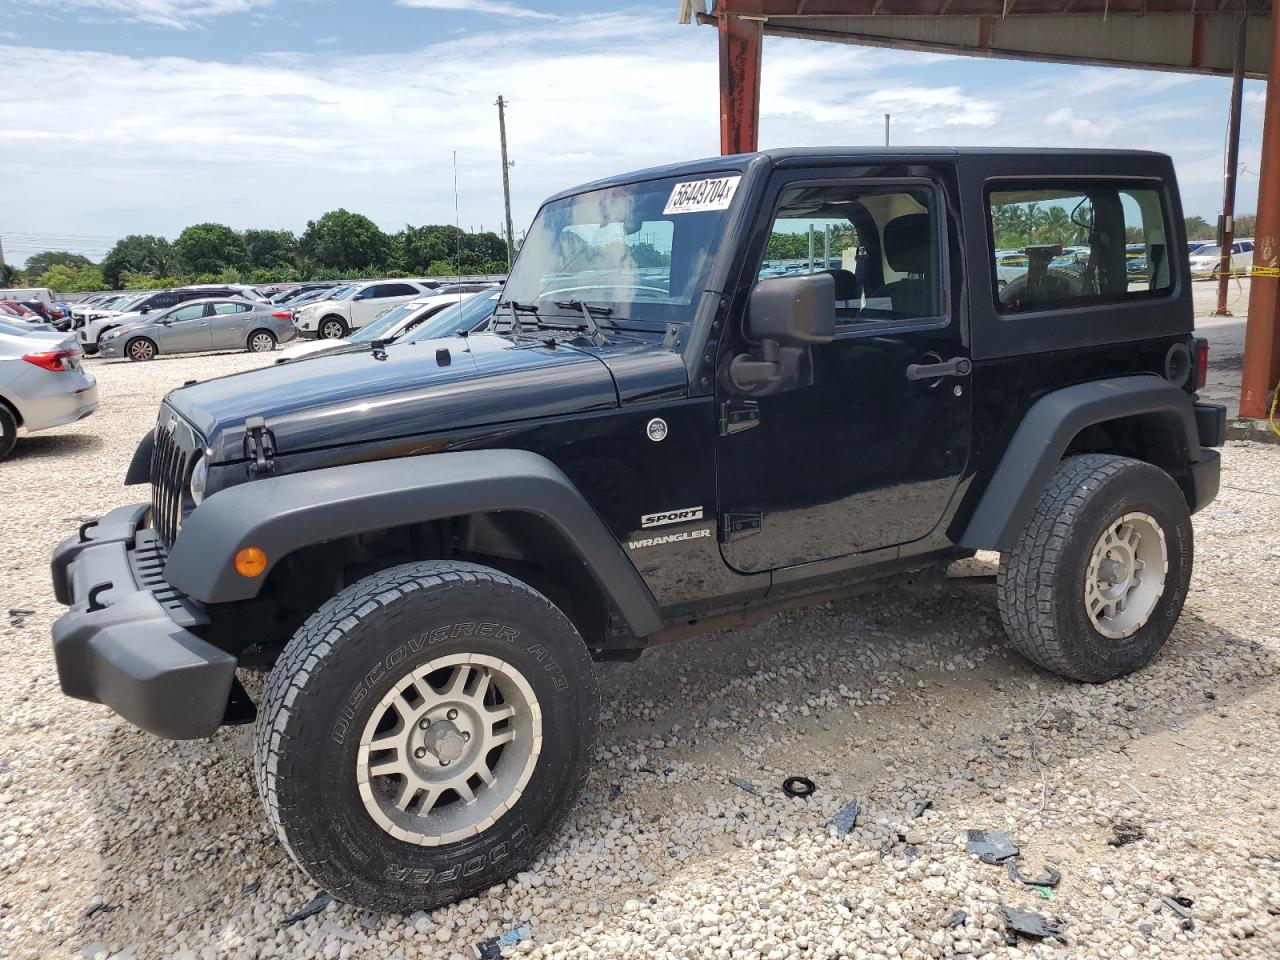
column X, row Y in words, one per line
column 113, row 843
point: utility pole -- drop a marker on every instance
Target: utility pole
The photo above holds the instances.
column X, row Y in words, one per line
column 1226, row 226
column 506, row 176
column 886, row 129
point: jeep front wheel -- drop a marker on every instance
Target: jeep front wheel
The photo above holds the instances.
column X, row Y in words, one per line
column 425, row 733
column 1095, row 584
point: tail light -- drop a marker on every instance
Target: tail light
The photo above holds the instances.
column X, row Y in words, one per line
column 283, row 314
column 1202, row 362
column 55, row 360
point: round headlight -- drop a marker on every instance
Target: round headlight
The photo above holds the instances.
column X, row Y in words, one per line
column 199, row 477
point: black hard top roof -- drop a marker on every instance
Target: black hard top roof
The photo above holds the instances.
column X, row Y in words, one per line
column 813, row 156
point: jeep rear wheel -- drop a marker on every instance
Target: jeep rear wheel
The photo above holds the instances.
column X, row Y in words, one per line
column 1095, row 584
column 425, row 733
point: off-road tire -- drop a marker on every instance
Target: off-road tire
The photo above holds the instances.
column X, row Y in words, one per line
column 331, row 677
column 1041, row 580
column 260, row 341
column 136, row 349
column 332, row 328
column 8, row 431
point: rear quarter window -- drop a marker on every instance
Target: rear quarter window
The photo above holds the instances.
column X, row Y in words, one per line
column 1059, row 244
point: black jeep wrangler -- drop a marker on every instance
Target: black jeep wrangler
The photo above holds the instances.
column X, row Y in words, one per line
column 710, row 391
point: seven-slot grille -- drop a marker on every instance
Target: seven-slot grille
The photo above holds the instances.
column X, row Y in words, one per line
column 170, row 464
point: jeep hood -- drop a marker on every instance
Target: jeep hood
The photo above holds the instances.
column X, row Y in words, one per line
column 419, row 388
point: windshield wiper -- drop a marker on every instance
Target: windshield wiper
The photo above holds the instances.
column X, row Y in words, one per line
column 589, row 311
column 515, row 308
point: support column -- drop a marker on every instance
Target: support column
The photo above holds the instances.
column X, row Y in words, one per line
column 741, row 41
column 1226, row 227
column 1262, row 334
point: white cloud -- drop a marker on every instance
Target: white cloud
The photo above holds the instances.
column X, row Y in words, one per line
column 110, row 144
column 179, row 14
column 494, row 7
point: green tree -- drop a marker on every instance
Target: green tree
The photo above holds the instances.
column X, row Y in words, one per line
column 84, row 278
column 140, row 255
column 138, row 280
column 346, row 241
column 273, row 250
column 8, row 275
column 211, row 248
column 39, row 263
column 787, row 246
column 1200, row 229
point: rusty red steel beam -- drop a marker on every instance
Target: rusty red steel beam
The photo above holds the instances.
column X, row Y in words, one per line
column 741, row 43
column 961, row 8
column 1262, row 332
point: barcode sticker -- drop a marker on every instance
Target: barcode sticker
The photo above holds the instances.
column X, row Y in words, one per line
column 697, row 196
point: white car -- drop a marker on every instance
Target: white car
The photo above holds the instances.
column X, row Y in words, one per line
column 334, row 318
column 403, row 318
column 1206, row 261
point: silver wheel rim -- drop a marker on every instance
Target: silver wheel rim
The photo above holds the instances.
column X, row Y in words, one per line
column 331, row 330
column 449, row 749
column 1126, row 575
column 262, row 343
column 141, row 350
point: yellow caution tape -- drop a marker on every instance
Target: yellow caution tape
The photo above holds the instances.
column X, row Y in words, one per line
column 1265, row 272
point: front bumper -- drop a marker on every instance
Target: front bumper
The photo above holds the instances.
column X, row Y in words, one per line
column 128, row 641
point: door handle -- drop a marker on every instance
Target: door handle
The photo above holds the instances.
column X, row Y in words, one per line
column 955, row 367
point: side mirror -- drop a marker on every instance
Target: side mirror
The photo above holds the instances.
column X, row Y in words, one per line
column 784, row 313
column 145, row 310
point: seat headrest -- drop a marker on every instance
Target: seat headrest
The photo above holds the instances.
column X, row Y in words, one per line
column 906, row 243
column 847, row 286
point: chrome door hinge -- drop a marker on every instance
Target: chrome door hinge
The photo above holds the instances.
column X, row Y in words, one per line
column 739, row 525
column 738, row 415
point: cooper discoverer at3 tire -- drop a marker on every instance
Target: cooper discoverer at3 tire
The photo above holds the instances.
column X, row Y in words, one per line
column 425, row 733
column 1097, row 580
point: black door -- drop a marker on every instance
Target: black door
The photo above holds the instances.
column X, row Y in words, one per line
column 865, row 450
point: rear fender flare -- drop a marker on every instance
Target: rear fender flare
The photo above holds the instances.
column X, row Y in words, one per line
column 1042, row 438
column 282, row 514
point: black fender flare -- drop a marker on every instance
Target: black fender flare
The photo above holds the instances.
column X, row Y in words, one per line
column 1042, row 438
column 282, row 514
column 140, row 466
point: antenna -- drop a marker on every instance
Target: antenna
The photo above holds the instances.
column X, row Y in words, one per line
column 457, row 221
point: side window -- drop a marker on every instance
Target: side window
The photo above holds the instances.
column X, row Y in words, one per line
column 226, row 308
column 193, row 312
column 1059, row 244
column 162, row 301
column 400, row 290
column 879, row 242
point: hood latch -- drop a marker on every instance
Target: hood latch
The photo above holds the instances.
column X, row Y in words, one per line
column 259, row 446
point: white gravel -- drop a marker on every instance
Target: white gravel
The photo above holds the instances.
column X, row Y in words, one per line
column 115, row 844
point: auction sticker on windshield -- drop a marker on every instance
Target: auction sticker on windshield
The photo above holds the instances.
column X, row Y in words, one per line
column 696, row 196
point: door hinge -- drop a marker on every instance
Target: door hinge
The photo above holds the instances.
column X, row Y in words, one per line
column 738, row 415
column 738, row 525
column 259, row 447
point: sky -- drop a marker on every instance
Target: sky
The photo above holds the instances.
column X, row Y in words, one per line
column 145, row 116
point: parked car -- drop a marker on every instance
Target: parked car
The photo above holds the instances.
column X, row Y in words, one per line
column 145, row 303
column 1010, row 265
column 337, row 316
column 300, row 290
column 315, row 296
column 1207, row 261
column 425, row 317
column 434, row 542
column 42, row 382
column 215, row 324
column 23, row 316
column 42, row 295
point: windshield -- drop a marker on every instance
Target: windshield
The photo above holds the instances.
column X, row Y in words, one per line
column 342, row 293
column 386, row 320
column 1210, row 250
column 124, row 306
column 643, row 249
column 455, row 318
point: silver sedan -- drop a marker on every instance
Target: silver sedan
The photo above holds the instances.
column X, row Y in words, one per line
column 215, row 324
column 42, row 383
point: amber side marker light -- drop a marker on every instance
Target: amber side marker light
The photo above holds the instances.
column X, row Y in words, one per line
column 250, row 562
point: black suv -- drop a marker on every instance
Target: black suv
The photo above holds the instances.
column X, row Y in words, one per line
column 720, row 388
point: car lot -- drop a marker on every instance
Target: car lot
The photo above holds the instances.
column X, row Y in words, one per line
column 111, row 839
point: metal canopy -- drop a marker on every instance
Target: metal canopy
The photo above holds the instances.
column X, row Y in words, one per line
column 1191, row 36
